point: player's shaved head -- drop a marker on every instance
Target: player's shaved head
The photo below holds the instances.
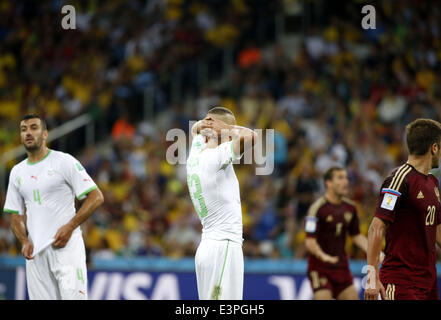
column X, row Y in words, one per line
column 223, row 114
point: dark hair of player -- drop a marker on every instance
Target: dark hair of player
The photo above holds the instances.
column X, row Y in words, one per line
column 35, row 116
column 421, row 134
column 329, row 174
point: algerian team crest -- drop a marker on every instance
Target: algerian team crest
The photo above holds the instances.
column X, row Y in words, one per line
column 19, row 181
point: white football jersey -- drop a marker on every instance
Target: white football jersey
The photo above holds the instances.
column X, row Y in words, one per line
column 214, row 190
column 47, row 190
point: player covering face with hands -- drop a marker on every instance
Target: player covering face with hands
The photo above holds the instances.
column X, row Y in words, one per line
column 214, row 190
column 41, row 198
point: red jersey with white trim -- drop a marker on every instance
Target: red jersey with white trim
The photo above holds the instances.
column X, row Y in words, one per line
column 410, row 204
column 330, row 224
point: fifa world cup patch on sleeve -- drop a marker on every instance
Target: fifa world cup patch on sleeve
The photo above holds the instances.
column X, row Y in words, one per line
column 389, row 201
column 311, row 224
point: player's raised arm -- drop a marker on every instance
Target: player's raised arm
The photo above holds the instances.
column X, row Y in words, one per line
column 243, row 139
column 196, row 128
column 375, row 240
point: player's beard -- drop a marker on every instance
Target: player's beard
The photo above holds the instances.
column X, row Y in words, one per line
column 343, row 192
column 38, row 142
column 435, row 160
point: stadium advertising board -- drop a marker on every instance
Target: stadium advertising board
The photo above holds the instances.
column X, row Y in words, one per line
column 138, row 285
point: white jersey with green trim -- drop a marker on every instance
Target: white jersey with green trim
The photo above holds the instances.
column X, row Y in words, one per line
column 47, row 190
column 214, row 190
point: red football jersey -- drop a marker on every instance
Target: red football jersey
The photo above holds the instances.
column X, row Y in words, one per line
column 410, row 202
column 329, row 224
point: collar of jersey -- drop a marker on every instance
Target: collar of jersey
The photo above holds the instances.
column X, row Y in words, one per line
column 32, row 163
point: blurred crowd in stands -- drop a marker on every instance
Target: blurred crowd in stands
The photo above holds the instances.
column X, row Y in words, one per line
column 343, row 98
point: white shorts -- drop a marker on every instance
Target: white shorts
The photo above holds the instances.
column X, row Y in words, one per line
column 59, row 274
column 219, row 270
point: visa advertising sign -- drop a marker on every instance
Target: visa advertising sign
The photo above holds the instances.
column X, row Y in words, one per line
column 139, row 285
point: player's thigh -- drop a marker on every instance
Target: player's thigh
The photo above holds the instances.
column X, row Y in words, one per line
column 208, row 262
column 342, row 284
column 69, row 268
column 41, row 284
column 350, row 293
column 323, row 294
column 320, row 281
column 219, row 270
column 232, row 275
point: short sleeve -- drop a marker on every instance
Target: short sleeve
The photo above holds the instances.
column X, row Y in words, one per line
column 226, row 154
column 354, row 225
column 14, row 201
column 393, row 190
column 77, row 177
column 312, row 219
column 311, row 226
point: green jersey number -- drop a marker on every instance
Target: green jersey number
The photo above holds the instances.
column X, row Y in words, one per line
column 37, row 196
column 194, row 180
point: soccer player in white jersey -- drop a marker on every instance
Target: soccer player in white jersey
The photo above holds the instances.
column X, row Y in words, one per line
column 214, row 190
column 41, row 198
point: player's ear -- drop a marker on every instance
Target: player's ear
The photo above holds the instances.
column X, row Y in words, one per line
column 434, row 148
column 45, row 134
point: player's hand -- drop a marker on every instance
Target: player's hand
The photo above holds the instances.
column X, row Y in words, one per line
column 215, row 125
column 372, row 293
column 62, row 236
column 27, row 250
column 330, row 259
